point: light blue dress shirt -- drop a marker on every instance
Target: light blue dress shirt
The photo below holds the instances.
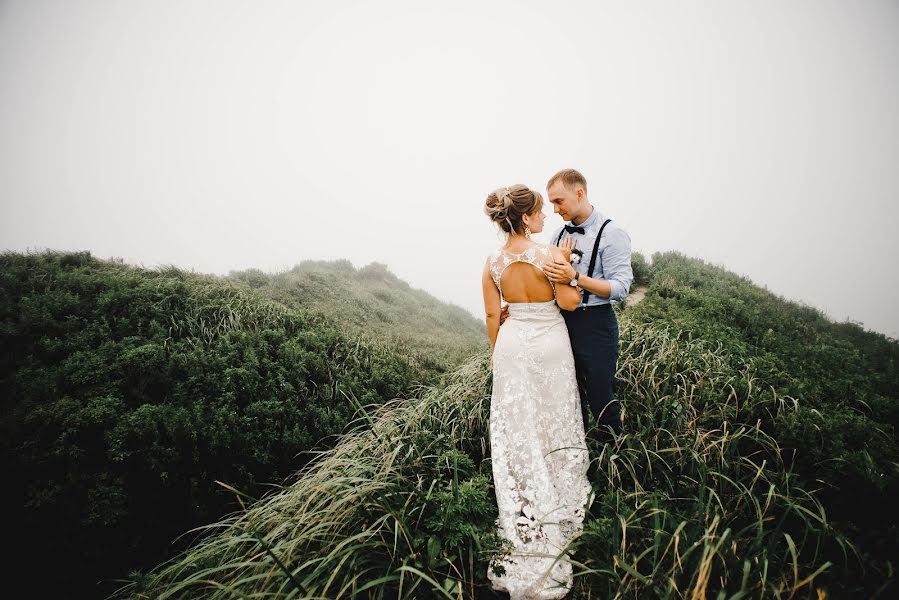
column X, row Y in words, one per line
column 613, row 258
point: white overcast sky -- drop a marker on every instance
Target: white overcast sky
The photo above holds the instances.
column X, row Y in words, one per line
column 759, row 135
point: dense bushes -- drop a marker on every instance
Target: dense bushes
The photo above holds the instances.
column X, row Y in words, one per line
column 694, row 501
column 641, row 269
column 373, row 302
column 842, row 439
column 128, row 393
column 722, row 486
column 759, row 455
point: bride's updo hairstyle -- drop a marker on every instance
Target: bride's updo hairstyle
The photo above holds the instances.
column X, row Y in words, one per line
column 506, row 205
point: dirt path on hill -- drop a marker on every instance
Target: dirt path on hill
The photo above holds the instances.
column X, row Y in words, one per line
column 637, row 294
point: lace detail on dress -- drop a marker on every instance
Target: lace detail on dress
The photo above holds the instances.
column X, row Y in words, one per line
column 538, row 449
column 537, row 255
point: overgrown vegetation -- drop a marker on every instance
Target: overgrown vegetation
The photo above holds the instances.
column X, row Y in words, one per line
column 759, row 456
column 757, row 434
column 374, row 302
column 129, row 393
column 842, row 437
column 640, row 268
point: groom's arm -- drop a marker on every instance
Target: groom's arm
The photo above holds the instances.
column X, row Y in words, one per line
column 616, row 263
column 563, row 272
column 597, row 287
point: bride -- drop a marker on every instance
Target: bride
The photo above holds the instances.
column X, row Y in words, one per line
column 539, row 453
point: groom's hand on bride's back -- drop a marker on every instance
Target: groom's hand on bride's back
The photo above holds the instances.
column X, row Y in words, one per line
column 503, row 314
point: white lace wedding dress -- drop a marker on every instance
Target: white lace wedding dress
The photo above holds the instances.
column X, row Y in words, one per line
column 539, row 453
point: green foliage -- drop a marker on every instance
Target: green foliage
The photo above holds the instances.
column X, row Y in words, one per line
column 842, row 437
column 401, row 505
column 758, row 459
column 696, row 499
column 373, row 301
column 128, row 393
column 642, row 270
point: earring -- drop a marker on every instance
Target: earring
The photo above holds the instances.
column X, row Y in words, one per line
column 527, row 232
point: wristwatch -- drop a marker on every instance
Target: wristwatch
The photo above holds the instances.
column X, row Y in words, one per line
column 573, row 282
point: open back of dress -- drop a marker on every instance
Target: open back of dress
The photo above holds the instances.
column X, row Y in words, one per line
column 511, row 268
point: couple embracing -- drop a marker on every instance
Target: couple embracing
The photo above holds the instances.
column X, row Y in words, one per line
column 554, row 348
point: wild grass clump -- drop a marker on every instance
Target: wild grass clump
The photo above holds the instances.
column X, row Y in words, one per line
column 841, row 439
column 400, row 506
column 694, row 500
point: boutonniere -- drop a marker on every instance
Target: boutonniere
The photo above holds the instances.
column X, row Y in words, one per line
column 576, row 256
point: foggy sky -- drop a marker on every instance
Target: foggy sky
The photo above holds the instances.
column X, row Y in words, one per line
column 220, row 135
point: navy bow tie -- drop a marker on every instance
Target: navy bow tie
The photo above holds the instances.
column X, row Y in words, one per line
column 573, row 229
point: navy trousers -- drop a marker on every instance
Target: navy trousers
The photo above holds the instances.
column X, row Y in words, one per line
column 594, row 341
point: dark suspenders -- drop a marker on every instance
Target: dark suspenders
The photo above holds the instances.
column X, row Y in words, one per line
column 586, row 294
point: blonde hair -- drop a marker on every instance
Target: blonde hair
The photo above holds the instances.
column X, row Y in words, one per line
column 505, row 206
column 569, row 177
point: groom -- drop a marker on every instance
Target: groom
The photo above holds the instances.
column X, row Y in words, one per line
column 602, row 274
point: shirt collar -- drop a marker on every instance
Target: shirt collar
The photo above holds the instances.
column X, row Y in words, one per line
column 589, row 221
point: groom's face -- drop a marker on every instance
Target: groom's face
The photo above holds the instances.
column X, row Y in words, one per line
column 564, row 200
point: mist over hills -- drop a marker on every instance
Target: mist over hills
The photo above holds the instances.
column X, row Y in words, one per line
column 373, row 302
column 759, row 456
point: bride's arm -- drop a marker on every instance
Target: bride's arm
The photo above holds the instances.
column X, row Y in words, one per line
column 491, row 305
column 567, row 296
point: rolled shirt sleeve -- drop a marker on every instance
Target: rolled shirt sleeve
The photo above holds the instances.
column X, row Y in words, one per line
column 616, row 264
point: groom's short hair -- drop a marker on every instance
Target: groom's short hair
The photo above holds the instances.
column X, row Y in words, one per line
column 570, row 177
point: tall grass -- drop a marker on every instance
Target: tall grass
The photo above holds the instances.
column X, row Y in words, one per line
column 694, row 501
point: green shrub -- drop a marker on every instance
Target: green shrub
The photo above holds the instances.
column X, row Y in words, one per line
column 373, row 302
column 642, row 270
column 696, row 498
column 128, row 393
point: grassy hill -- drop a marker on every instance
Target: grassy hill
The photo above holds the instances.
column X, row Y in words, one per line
column 128, row 394
column 759, row 459
column 373, row 302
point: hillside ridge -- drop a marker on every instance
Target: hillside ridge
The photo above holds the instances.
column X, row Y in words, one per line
column 129, row 392
column 758, row 458
column 132, row 393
